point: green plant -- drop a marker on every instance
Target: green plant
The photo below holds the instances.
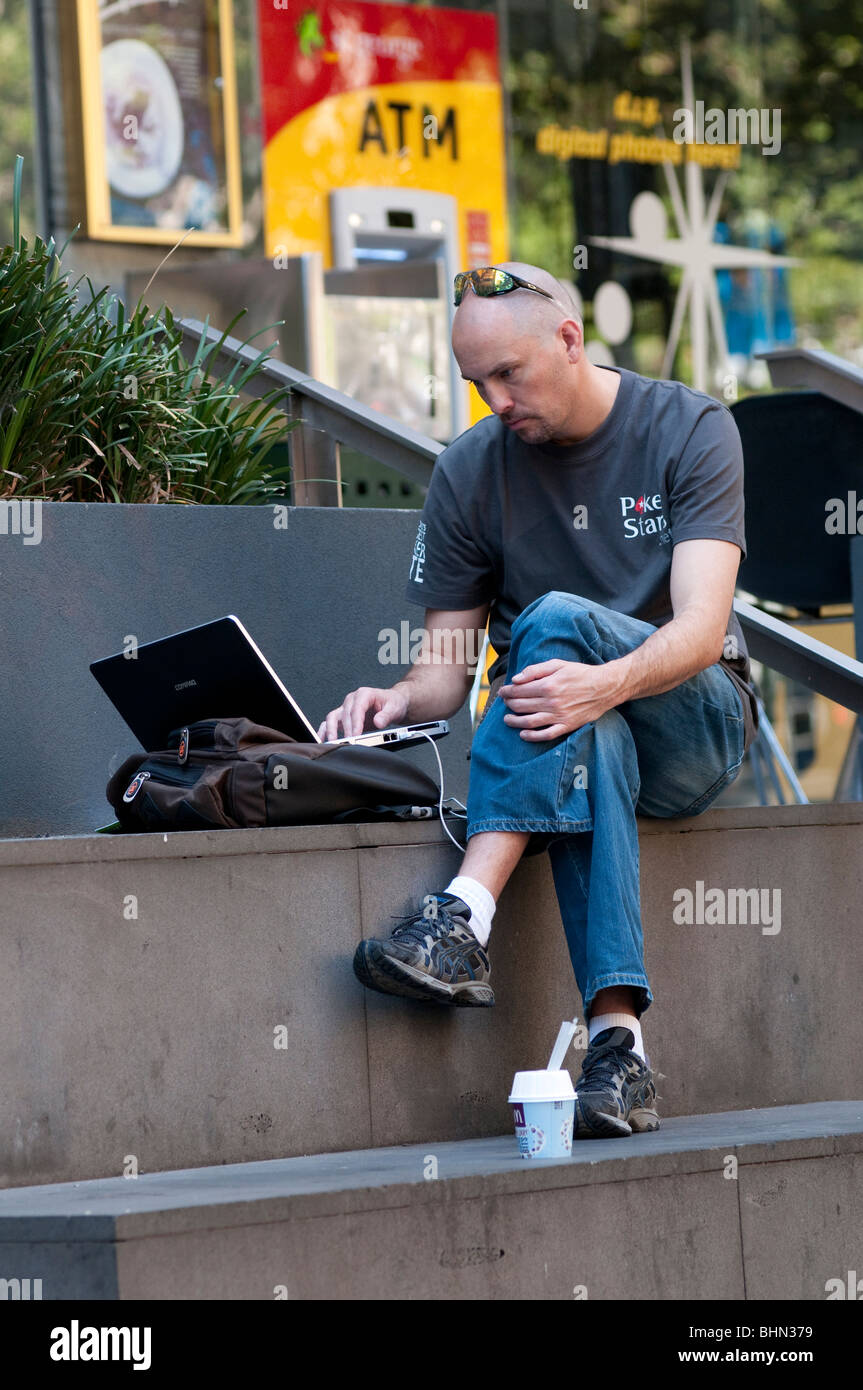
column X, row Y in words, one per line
column 99, row 404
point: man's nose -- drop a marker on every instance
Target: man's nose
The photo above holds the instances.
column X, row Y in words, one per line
column 498, row 400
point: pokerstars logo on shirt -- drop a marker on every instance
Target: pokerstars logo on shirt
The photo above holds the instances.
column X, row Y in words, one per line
column 643, row 516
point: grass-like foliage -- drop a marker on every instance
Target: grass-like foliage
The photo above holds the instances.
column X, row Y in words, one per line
column 98, row 404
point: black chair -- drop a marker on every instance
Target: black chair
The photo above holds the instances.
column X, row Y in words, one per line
column 801, row 451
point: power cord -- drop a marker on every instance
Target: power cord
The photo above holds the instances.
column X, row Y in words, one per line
column 450, row 799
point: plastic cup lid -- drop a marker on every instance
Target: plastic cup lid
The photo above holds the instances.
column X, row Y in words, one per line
column 541, row 1085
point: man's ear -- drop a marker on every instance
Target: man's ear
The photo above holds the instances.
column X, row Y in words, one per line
column 573, row 336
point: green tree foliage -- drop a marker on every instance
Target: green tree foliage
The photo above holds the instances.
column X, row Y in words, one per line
column 568, row 64
column 807, row 61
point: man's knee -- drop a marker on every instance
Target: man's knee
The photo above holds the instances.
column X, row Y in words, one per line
column 556, row 604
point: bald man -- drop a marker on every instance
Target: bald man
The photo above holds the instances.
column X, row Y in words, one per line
column 595, row 519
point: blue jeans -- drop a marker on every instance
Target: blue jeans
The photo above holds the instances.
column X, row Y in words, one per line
column 662, row 755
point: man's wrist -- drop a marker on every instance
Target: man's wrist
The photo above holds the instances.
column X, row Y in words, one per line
column 403, row 687
column 616, row 678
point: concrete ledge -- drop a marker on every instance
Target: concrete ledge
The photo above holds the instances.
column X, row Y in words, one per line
column 142, row 979
column 753, row 1204
column 77, row 849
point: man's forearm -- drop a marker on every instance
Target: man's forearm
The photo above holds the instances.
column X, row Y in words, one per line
column 668, row 657
column 434, row 690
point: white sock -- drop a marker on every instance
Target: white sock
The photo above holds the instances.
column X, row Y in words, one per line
column 599, row 1022
column 480, row 902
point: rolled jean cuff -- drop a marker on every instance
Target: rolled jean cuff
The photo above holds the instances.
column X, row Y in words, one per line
column 615, row 981
column 542, row 832
column 552, row 824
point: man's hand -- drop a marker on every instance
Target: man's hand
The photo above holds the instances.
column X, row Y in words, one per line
column 435, row 687
column 386, row 706
column 552, row 698
column 562, row 695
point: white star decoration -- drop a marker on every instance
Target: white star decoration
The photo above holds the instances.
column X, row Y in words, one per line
column 693, row 249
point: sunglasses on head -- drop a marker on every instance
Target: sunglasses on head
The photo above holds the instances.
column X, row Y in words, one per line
column 488, row 281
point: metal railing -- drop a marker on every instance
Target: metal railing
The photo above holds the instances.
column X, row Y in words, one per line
column 814, row 369
column 326, row 418
column 823, row 669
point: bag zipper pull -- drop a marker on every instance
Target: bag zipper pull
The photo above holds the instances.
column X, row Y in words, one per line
column 135, row 786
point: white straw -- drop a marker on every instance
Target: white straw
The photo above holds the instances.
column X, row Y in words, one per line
column 564, row 1038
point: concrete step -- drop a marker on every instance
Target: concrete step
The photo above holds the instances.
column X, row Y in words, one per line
column 144, row 981
column 752, row 1204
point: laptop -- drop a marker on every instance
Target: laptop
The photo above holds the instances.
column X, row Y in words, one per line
column 216, row 670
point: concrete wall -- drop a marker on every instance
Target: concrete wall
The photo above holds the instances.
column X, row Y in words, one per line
column 314, row 596
column 153, row 1035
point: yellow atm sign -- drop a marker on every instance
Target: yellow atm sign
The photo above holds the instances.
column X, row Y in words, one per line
column 376, row 95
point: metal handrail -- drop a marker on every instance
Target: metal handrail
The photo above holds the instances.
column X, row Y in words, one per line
column 814, row 369
column 324, row 412
column 823, row 669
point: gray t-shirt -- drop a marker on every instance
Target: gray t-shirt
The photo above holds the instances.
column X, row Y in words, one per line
column 505, row 521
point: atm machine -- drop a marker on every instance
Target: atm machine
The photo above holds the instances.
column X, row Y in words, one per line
column 387, row 306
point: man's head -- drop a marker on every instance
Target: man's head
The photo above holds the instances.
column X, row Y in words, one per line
column 524, row 353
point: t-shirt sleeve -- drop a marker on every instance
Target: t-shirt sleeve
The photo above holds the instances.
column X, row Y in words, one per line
column 706, row 487
column 449, row 566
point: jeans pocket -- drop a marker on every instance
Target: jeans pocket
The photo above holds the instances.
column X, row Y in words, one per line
column 686, row 765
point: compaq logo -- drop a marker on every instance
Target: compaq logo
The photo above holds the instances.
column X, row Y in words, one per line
column 185, row 685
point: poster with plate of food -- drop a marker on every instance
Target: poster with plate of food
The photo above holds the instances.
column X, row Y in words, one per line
column 161, row 141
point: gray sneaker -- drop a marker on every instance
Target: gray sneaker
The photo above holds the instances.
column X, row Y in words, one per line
column 432, row 955
column 615, row 1094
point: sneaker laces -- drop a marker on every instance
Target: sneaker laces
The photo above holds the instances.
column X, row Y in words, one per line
column 416, row 926
column 600, row 1066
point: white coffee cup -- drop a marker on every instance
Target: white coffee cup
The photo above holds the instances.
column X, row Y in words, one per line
column 543, row 1107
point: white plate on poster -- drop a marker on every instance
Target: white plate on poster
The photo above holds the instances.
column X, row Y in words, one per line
column 143, row 119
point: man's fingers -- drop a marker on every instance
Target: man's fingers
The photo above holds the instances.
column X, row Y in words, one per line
column 354, row 714
column 537, row 685
column 516, row 696
column 354, row 710
column 538, row 735
column 529, row 720
column 540, row 668
column 525, row 704
column 330, row 727
column 357, row 706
